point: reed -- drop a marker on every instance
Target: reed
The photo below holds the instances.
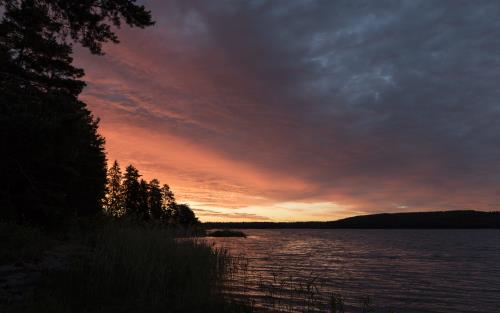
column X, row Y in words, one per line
column 283, row 293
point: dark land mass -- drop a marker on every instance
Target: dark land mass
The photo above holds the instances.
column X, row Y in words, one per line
column 414, row 220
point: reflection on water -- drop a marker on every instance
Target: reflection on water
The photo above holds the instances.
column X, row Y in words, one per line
column 407, row 270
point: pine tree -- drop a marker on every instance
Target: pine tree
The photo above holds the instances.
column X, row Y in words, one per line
column 144, row 209
column 114, row 200
column 155, row 200
column 131, row 191
column 168, row 203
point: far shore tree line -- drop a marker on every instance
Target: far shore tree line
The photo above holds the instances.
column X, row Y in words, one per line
column 129, row 196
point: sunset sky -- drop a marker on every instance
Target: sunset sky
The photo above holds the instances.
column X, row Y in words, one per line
column 307, row 110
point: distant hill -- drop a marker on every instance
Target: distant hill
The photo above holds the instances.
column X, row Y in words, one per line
column 415, row 220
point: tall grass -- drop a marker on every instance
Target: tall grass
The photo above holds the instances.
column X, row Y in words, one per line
column 139, row 269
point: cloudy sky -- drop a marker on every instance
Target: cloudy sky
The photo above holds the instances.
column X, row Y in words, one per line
column 307, row 110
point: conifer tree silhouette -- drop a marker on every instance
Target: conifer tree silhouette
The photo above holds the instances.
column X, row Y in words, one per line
column 53, row 165
column 114, row 201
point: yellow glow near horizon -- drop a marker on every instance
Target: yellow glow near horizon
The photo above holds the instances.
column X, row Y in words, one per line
column 283, row 212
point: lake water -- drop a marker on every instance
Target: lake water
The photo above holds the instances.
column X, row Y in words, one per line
column 453, row 271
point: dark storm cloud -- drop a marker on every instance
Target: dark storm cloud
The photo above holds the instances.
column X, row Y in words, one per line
column 385, row 104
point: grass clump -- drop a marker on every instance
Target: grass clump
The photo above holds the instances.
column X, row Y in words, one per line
column 139, row 269
column 227, row 233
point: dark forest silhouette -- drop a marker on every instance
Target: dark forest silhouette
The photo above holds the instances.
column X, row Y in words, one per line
column 53, row 163
column 130, row 197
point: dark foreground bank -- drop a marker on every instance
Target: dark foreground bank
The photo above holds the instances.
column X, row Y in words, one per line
column 114, row 268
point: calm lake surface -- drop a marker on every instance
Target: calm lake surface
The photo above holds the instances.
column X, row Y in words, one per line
column 407, row 270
